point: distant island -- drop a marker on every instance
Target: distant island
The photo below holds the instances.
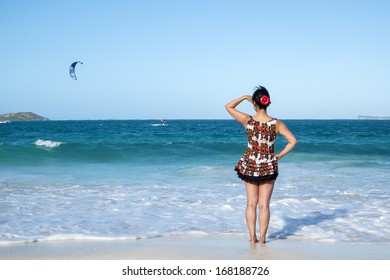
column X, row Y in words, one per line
column 373, row 118
column 21, row 116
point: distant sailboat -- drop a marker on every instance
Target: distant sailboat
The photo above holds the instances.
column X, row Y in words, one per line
column 163, row 122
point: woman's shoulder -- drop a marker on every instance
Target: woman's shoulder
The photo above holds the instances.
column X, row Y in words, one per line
column 245, row 119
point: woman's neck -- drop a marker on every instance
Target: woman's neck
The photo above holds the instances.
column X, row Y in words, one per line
column 261, row 115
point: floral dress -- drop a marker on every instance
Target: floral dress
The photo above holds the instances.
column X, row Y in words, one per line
column 259, row 163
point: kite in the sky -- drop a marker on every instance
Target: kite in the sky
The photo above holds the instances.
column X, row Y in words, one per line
column 72, row 69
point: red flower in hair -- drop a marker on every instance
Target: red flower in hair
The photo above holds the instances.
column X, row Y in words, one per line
column 264, row 100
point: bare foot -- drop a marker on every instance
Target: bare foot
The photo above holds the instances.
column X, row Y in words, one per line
column 262, row 240
column 253, row 239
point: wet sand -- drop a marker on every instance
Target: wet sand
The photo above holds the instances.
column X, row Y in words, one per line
column 185, row 247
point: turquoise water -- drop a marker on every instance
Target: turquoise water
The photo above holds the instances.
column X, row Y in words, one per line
column 139, row 179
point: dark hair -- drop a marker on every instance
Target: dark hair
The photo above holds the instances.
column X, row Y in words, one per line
column 260, row 91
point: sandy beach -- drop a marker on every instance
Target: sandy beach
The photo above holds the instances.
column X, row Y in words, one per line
column 204, row 247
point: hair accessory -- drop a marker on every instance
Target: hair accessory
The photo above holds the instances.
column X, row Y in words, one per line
column 264, row 100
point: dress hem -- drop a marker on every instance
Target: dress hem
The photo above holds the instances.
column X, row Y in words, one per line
column 256, row 179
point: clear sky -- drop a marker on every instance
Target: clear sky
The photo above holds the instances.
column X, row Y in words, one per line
column 186, row 59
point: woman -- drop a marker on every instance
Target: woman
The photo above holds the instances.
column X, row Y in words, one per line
column 258, row 166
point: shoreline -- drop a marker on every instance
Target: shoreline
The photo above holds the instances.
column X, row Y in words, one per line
column 190, row 247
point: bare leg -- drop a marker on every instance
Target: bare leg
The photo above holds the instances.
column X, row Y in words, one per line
column 265, row 192
column 252, row 193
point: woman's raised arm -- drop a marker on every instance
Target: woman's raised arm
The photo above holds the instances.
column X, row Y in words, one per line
column 236, row 114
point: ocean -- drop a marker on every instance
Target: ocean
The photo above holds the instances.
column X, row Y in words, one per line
column 132, row 179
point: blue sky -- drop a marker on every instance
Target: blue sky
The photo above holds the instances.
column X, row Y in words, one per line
column 186, row 59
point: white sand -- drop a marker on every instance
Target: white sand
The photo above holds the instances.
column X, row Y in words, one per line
column 207, row 247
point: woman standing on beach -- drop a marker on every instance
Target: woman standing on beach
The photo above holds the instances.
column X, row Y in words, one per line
column 258, row 166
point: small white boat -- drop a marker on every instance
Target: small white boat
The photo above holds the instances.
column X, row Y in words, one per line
column 5, row 121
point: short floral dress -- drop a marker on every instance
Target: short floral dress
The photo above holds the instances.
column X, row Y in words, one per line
column 259, row 164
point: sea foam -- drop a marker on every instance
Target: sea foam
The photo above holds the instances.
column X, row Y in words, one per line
column 48, row 143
